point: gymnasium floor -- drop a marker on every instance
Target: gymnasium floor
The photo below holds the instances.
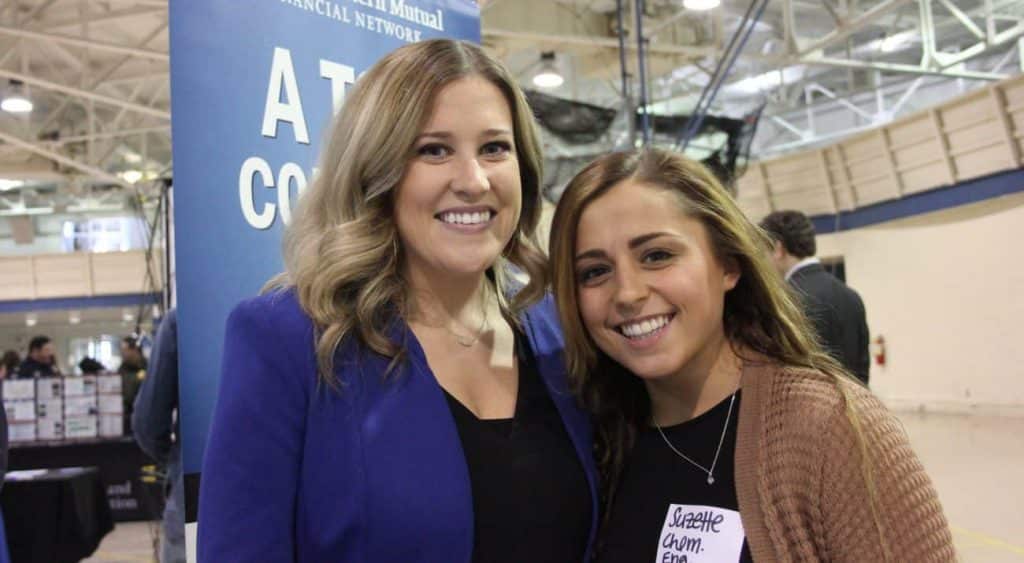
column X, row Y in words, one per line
column 977, row 463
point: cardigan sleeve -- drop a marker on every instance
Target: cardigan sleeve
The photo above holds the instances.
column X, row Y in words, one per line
column 247, row 501
column 907, row 522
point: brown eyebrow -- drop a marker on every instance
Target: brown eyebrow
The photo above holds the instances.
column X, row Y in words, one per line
column 447, row 135
column 637, row 241
column 633, row 243
column 590, row 254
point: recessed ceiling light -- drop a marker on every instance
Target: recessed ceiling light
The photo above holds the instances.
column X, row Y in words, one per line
column 16, row 104
column 701, row 4
column 6, row 184
column 131, row 176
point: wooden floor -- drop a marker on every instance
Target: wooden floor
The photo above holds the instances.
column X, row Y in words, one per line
column 130, row 542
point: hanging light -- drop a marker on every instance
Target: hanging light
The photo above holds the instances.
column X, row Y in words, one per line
column 548, row 76
column 701, row 4
column 14, row 101
column 131, row 176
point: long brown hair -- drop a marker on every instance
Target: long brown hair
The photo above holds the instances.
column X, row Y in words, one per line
column 342, row 252
column 759, row 314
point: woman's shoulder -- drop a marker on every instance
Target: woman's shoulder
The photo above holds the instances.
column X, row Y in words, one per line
column 280, row 305
column 802, row 391
column 818, row 402
column 274, row 315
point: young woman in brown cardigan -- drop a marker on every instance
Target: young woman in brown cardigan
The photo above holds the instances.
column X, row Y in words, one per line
column 723, row 432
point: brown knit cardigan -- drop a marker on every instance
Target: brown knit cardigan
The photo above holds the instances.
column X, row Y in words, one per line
column 801, row 484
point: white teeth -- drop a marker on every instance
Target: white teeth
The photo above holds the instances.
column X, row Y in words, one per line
column 644, row 328
column 466, row 218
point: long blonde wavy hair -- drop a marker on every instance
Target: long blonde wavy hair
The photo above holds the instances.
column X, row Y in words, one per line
column 342, row 252
column 758, row 315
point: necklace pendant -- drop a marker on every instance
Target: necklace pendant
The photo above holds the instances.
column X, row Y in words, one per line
column 711, row 479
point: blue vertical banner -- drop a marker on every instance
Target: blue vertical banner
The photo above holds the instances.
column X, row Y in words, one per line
column 254, row 85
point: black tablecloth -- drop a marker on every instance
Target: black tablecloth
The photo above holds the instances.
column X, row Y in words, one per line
column 119, row 461
column 60, row 515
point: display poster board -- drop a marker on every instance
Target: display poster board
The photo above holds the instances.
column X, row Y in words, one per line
column 254, row 85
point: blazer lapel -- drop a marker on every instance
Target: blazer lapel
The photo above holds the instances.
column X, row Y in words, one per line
column 419, row 477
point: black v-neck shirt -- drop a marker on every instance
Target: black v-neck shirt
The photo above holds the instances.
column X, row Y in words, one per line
column 531, row 500
column 646, row 519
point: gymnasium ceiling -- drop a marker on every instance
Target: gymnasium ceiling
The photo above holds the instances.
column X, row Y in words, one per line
column 97, row 72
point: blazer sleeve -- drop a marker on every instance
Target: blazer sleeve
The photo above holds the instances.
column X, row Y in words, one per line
column 153, row 415
column 906, row 522
column 247, row 499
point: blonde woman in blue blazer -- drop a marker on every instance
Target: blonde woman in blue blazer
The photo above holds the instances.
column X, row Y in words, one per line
column 394, row 396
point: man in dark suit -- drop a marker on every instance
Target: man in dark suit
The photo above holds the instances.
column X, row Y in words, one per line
column 835, row 310
column 41, row 360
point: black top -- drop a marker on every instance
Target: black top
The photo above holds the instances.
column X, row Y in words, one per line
column 647, row 523
column 31, row 368
column 531, row 501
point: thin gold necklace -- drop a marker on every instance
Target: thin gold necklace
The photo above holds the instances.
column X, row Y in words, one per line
column 467, row 341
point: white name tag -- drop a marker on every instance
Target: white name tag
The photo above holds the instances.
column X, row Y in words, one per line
column 700, row 534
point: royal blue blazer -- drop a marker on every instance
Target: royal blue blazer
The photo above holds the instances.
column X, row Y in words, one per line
column 375, row 472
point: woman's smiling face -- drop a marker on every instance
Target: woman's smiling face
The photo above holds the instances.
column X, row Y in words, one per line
column 650, row 289
column 460, row 198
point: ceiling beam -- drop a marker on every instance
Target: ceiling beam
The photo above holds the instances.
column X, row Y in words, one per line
column 605, row 42
column 850, row 27
column 103, row 77
column 101, row 17
column 59, row 158
column 86, row 43
column 138, row 108
column 113, row 134
column 902, row 68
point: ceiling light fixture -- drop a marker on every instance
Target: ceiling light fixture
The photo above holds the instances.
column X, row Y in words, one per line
column 548, row 76
column 892, row 43
column 31, row 320
column 701, row 5
column 74, row 317
column 14, row 101
column 131, row 176
column 6, row 184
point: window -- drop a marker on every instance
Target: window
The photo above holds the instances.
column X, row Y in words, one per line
column 105, row 349
column 104, row 234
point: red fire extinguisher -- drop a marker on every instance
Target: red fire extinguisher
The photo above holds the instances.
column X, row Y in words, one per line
column 878, row 349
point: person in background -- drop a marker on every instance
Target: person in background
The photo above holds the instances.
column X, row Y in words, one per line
column 10, row 360
column 41, row 360
column 724, row 432
column 155, row 426
column 4, row 554
column 89, row 366
column 132, row 370
column 835, row 310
